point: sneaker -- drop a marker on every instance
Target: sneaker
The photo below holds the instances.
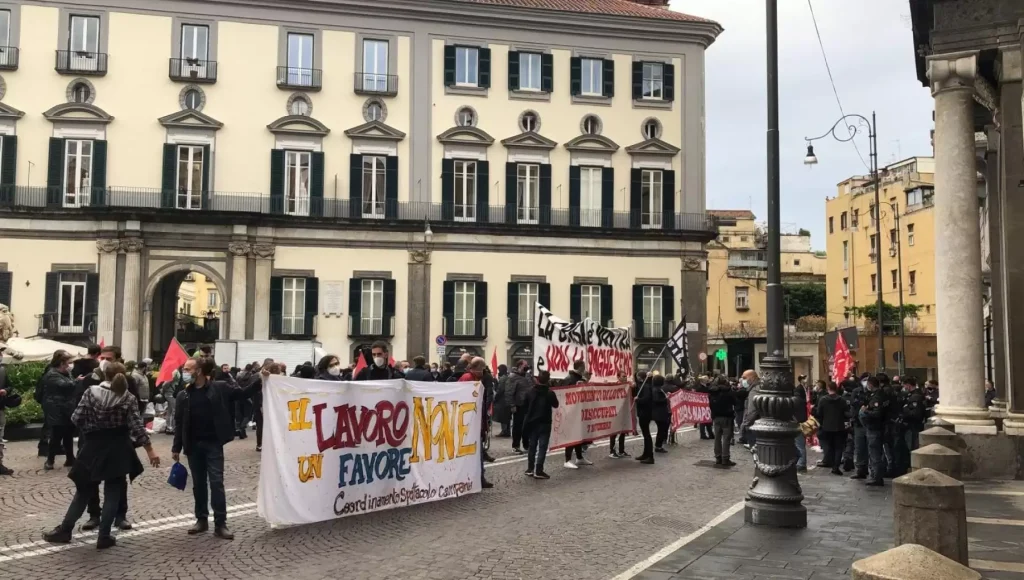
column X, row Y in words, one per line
column 252, row 424
column 570, row 465
column 529, row 472
column 486, row 484
column 259, row 448
column 647, row 461
column 91, row 524
column 517, row 451
column 223, row 533
column 123, row 525
column 57, row 535
column 858, row 476
column 836, row 472
column 200, row 527
column 104, row 542
column 718, row 461
column 4, row 470
column 729, row 463
column 48, row 466
column 660, row 450
column 69, row 462
column 584, row 461
column 488, row 458
column 878, row 483
column 541, row 475
column 614, row 455
column 801, row 469
column 624, row 454
column 641, row 458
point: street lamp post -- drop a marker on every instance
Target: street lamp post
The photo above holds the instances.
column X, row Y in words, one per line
column 811, row 159
column 898, row 251
column 775, row 497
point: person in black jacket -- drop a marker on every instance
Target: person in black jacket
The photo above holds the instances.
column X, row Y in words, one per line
column 644, row 415
column 540, row 402
column 381, row 368
column 419, row 371
column 502, row 409
column 58, row 392
column 913, row 413
column 874, row 417
column 662, row 414
column 328, row 368
column 205, row 426
column 518, row 386
column 831, row 412
column 579, row 368
column 722, row 403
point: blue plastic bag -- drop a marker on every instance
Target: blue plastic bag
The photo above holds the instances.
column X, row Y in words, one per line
column 178, row 477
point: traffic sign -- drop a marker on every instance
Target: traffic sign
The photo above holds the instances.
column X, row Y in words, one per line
column 703, row 356
column 441, row 340
column 440, row 353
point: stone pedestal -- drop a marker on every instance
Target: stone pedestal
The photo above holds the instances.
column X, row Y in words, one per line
column 132, row 248
column 943, row 437
column 930, row 510
column 937, row 458
column 911, row 562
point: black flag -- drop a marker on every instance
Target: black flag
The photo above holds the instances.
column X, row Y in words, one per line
column 679, row 346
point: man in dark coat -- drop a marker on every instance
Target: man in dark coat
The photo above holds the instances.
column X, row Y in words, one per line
column 380, row 368
column 519, row 385
column 419, row 371
column 502, row 410
column 722, row 404
column 832, row 411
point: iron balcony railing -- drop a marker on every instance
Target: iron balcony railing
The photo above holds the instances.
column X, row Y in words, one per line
column 376, row 84
column 134, row 199
column 309, row 79
column 9, row 56
column 53, row 324
column 371, row 327
column 193, row 70
column 81, row 62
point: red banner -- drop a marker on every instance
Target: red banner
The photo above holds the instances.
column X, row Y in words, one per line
column 689, row 408
column 589, row 412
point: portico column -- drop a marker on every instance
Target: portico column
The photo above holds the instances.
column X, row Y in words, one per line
column 958, row 246
column 132, row 248
column 1011, row 184
column 264, row 254
column 239, row 262
column 107, row 248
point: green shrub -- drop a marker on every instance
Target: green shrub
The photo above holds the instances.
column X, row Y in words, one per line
column 29, row 411
column 22, row 378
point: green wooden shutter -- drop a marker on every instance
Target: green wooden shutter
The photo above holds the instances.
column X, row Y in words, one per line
column 8, row 169
column 544, row 294
column 448, row 308
column 635, row 199
column 92, row 301
column 51, row 298
column 638, row 311
column 169, row 177
column 513, row 310
column 574, row 195
column 669, row 76
column 668, row 200
column 485, row 67
column 207, row 167
column 312, row 306
column 316, row 184
column 355, row 305
column 576, row 302
column 668, row 310
column 355, row 186
column 388, row 307
column 480, row 316
column 448, row 189
column 55, row 173
column 449, row 66
column 607, row 306
column 483, row 201
column 276, row 305
column 544, row 199
column 513, row 70
column 608, row 77
column 638, row 81
column 98, row 193
column 391, row 187
column 607, row 197
column 510, row 192
column 6, row 284
column 547, row 73
column 575, row 76
column 277, row 177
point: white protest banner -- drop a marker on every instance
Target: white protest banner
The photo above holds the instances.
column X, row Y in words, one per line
column 590, row 412
column 557, row 344
column 336, row 449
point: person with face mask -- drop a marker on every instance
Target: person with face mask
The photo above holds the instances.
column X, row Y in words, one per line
column 328, row 369
column 58, row 404
column 381, row 368
column 874, row 416
column 750, row 383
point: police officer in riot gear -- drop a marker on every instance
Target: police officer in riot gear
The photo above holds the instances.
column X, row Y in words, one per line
column 874, row 416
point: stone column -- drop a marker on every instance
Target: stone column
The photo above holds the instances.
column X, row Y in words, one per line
column 264, row 254
column 417, row 328
column 130, row 304
column 694, row 296
column 995, row 265
column 107, row 248
column 958, row 245
column 1011, row 210
column 237, row 300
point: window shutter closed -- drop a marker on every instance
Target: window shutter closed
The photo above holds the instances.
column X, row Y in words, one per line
column 513, row 70
column 207, row 164
column 607, row 197
column 50, row 302
column 669, row 75
column 391, row 187
column 575, row 302
column 312, row 305
column 55, row 173
column 544, row 201
column 638, row 311
column 481, row 308
column 92, row 301
column 355, row 304
column 510, row 192
column 98, row 191
column 276, row 305
column 668, row 310
column 388, row 307
column 169, row 179
column 607, row 306
column 574, row 195
column 544, row 295
column 277, row 177
column 608, row 76
column 668, row 200
column 449, row 66
column 8, row 168
column 6, row 284
column 635, row 177
column 638, row 81
column 575, row 76
column 513, row 310
column 355, row 186
column 448, row 189
column 547, row 73
column 448, row 308
column 483, row 201
column 316, row 184
column 485, row 67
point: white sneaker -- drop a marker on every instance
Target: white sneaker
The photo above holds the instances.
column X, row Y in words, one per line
column 584, row 461
column 570, row 465
column 613, row 455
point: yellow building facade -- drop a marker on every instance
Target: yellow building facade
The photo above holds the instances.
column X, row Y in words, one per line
column 906, row 187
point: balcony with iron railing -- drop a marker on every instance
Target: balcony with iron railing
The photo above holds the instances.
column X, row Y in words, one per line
column 196, row 329
column 652, row 330
column 371, row 327
column 9, row 57
column 56, row 325
column 81, row 62
column 464, row 329
column 193, row 70
column 306, row 331
column 376, row 84
column 748, row 261
column 307, row 79
column 167, row 204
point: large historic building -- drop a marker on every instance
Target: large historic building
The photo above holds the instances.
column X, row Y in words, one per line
column 347, row 171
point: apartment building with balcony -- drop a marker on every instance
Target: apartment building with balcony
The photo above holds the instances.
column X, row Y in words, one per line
column 348, row 171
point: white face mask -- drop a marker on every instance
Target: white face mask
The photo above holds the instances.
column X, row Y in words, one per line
column 864, row 383
column 334, row 371
column 187, row 377
column 103, row 365
column 745, row 383
column 379, row 361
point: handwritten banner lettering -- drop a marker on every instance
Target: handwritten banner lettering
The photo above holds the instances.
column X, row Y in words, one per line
column 689, row 408
column 336, row 449
column 557, row 344
column 590, row 412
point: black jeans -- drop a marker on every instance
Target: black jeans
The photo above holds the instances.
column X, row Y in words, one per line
column 876, row 454
column 206, row 461
column 645, row 430
column 257, row 416
column 569, row 451
column 518, row 418
column 663, row 429
column 622, row 443
column 62, row 438
column 113, row 489
column 243, row 413
column 122, row 504
column 832, row 445
column 537, row 451
column 860, row 450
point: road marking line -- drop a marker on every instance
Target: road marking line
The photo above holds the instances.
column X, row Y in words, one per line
column 994, row 492
column 997, row 566
column 669, row 549
column 995, row 521
column 601, row 443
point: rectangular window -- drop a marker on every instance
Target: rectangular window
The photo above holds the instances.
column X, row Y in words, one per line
column 842, row 221
column 467, row 66
column 895, row 279
column 195, row 42
column 374, row 186
column 654, row 81
column 831, row 229
column 190, row 177
column 796, row 262
column 893, row 239
column 528, row 296
column 742, row 293
column 375, row 65
column 590, row 302
column 652, row 311
column 912, row 278
column 84, row 43
column 5, row 32
column 846, row 255
column 874, row 248
column 590, row 196
column 296, row 185
column 855, row 219
column 465, row 191
column 186, row 308
column 591, row 77
column 371, row 321
column 300, row 59
column 211, row 300
column 651, row 205
column 873, row 214
column 465, row 308
column 77, row 172
column 293, row 311
column 71, row 308
column 846, row 287
column 910, row 234
column 874, row 283
column 528, row 193
column 529, row 71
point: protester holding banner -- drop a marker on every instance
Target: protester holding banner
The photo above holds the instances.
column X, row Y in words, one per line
column 576, row 376
column 476, row 372
column 621, row 452
column 382, row 367
column 328, row 368
column 540, row 402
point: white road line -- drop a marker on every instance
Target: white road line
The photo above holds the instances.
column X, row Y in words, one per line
column 601, row 443
column 994, row 566
column 994, row 492
column 995, row 521
column 669, row 549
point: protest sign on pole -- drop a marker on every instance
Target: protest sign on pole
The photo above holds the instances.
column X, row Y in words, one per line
column 336, row 449
column 590, row 412
column 558, row 343
column 689, row 408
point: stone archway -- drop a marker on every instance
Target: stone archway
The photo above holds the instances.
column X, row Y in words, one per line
column 161, row 284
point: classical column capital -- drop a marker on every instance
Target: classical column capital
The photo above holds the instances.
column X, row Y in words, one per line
column 240, row 249
column 955, row 71
column 108, row 245
column 264, row 251
column 131, row 245
column 1008, row 66
column 419, row 256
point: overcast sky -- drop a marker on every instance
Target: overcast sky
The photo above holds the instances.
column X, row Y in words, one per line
column 870, row 49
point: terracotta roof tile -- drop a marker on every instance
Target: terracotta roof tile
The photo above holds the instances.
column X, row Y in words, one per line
column 607, row 7
column 732, row 213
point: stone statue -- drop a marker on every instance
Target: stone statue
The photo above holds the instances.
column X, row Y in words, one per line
column 7, row 330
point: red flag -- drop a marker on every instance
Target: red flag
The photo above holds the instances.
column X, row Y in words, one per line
column 494, row 362
column 841, row 361
column 360, row 365
column 103, row 343
column 175, row 357
column 391, row 360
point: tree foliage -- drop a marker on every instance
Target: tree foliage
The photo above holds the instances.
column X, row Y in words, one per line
column 890, row 312
column 804, row 300
column 811, row 323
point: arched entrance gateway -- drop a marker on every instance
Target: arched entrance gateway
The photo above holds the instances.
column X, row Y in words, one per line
column 187, row 300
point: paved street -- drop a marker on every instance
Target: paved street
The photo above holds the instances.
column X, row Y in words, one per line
column 594, row 522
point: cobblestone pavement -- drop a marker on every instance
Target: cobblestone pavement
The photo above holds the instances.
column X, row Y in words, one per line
column 593, row 522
